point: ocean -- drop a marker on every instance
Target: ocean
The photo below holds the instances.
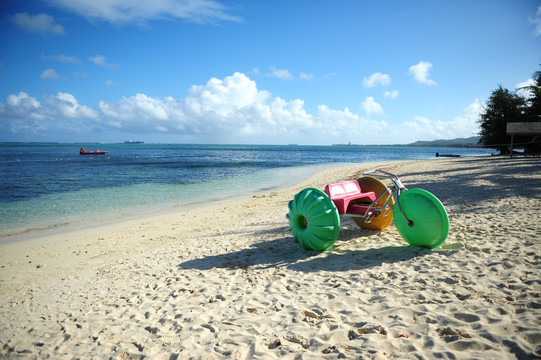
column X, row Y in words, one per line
column 43, row 185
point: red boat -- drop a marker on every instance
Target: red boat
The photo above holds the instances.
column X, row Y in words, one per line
column 96, row 152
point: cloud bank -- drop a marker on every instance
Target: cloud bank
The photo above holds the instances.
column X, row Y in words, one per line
column 463, row 125
column 229, row 110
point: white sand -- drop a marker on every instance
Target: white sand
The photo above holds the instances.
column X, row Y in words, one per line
column 228, row 281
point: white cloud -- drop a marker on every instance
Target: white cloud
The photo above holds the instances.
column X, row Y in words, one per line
column 525, row 93
column 280, row 73
column 285, row 74
column 343, row 124
column 123, row 12
column 60, row 106
column 305, row 76
column 100, row 60
column 536, row 21
column 49, row 74
column 41, row 23
column 465, row 125
column 371, row 107
column 220, row 104
column 391, row 94
column 423, row 128
column 376, row 79
column 137, row 108
column 66, row 106
column 21, row 114
column 421, row 72
column 422, row 120
column 110, row 83
column 65, row 59
column 22, row 105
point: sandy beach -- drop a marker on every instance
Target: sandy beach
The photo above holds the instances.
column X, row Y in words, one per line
column 226, row 280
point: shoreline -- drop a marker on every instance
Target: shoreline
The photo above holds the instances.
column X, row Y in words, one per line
column 59, row 225
column 226, row 280
column 53, row 224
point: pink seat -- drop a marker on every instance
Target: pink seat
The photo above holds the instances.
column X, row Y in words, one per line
column 342, row 193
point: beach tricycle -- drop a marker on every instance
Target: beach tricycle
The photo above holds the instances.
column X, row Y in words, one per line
column 419, row 216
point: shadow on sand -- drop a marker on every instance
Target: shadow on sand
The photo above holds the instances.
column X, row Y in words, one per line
column 284, row 252
column 495, row 186
column 281, row 251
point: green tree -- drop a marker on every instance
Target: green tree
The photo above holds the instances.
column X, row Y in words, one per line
column 502, row 107
column 533, row 110
column 533, row 113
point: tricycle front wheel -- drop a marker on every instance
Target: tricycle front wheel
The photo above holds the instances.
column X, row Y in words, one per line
column 427, row 223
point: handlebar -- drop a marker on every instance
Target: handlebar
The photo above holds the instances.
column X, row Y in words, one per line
column 386, row 175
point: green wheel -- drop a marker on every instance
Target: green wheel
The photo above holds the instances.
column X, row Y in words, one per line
column 313, row 219
column 429, row 222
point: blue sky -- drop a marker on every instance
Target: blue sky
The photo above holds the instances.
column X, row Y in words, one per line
column 259, row 72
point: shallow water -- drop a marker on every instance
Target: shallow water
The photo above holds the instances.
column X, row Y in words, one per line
column 45, row 184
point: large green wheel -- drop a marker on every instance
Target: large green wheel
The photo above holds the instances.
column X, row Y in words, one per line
column 313, row 219
column 428, row 224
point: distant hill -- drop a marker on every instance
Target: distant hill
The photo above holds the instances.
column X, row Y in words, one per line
column 458, row 142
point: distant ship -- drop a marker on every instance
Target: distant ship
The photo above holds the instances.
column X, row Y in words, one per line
column 348, row 144
column 133, row 142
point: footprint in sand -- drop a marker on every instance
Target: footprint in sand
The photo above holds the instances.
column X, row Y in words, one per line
column 467, row 317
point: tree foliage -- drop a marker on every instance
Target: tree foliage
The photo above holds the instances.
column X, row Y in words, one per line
column 533, row 110
column 502, row 107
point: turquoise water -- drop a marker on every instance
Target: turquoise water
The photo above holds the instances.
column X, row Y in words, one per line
column 43, row 184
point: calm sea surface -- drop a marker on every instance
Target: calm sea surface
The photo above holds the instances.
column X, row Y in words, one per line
column 43, row 184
